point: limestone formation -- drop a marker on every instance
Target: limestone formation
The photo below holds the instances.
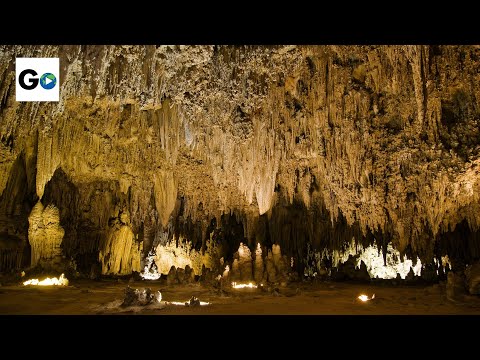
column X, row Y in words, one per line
column 273, row 144
column 259, row 266
column 120, row 254
column 242, row 269
column 45, row 236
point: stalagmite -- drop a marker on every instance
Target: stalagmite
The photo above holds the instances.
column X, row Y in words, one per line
column 258, row 265
column 244, row 269
column 120, row 254
column 45, row 236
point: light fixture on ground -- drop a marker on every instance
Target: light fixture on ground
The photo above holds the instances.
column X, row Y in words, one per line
column 242, row 286
column 365, row 298
column 61, row 281
column 192, row 302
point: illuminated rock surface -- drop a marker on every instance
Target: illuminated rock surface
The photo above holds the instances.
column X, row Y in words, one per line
column 277, row 145
column 45, row 235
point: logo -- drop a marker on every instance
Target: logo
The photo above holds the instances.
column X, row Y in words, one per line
column 48, row 81
column 32, row 72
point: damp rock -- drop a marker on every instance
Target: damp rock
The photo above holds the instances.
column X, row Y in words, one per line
column 472, row 274
column 455, row 285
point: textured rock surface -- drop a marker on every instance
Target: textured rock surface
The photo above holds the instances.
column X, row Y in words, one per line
column 296, row 144
column 472, row 275
column 259, row 267
column 242, row 268
column 120, row 254
column 141, row 297
column 45, row 236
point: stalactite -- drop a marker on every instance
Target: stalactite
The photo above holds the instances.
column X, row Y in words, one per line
column 165, row 192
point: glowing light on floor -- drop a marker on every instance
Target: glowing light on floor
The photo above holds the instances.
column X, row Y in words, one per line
column 365, row 298
column 183, row 303
column 62, row 281
column 242, row 286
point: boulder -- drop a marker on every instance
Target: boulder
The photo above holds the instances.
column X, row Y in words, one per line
column 140, row 297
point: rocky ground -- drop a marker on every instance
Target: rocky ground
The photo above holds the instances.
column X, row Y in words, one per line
column 322, row 298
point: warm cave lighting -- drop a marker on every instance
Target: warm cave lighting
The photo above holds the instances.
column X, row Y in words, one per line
column 242, row 286
column 365, row 298
column 61, row 281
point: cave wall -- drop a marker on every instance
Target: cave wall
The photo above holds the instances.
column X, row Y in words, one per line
column 300, row 144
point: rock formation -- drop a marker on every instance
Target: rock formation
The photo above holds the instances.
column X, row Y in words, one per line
column 242, row 268
column 120, row 254
column 287, row 145
column 259, row 268
column 45, row 236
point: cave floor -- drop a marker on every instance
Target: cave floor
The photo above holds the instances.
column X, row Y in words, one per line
column 328, row 298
